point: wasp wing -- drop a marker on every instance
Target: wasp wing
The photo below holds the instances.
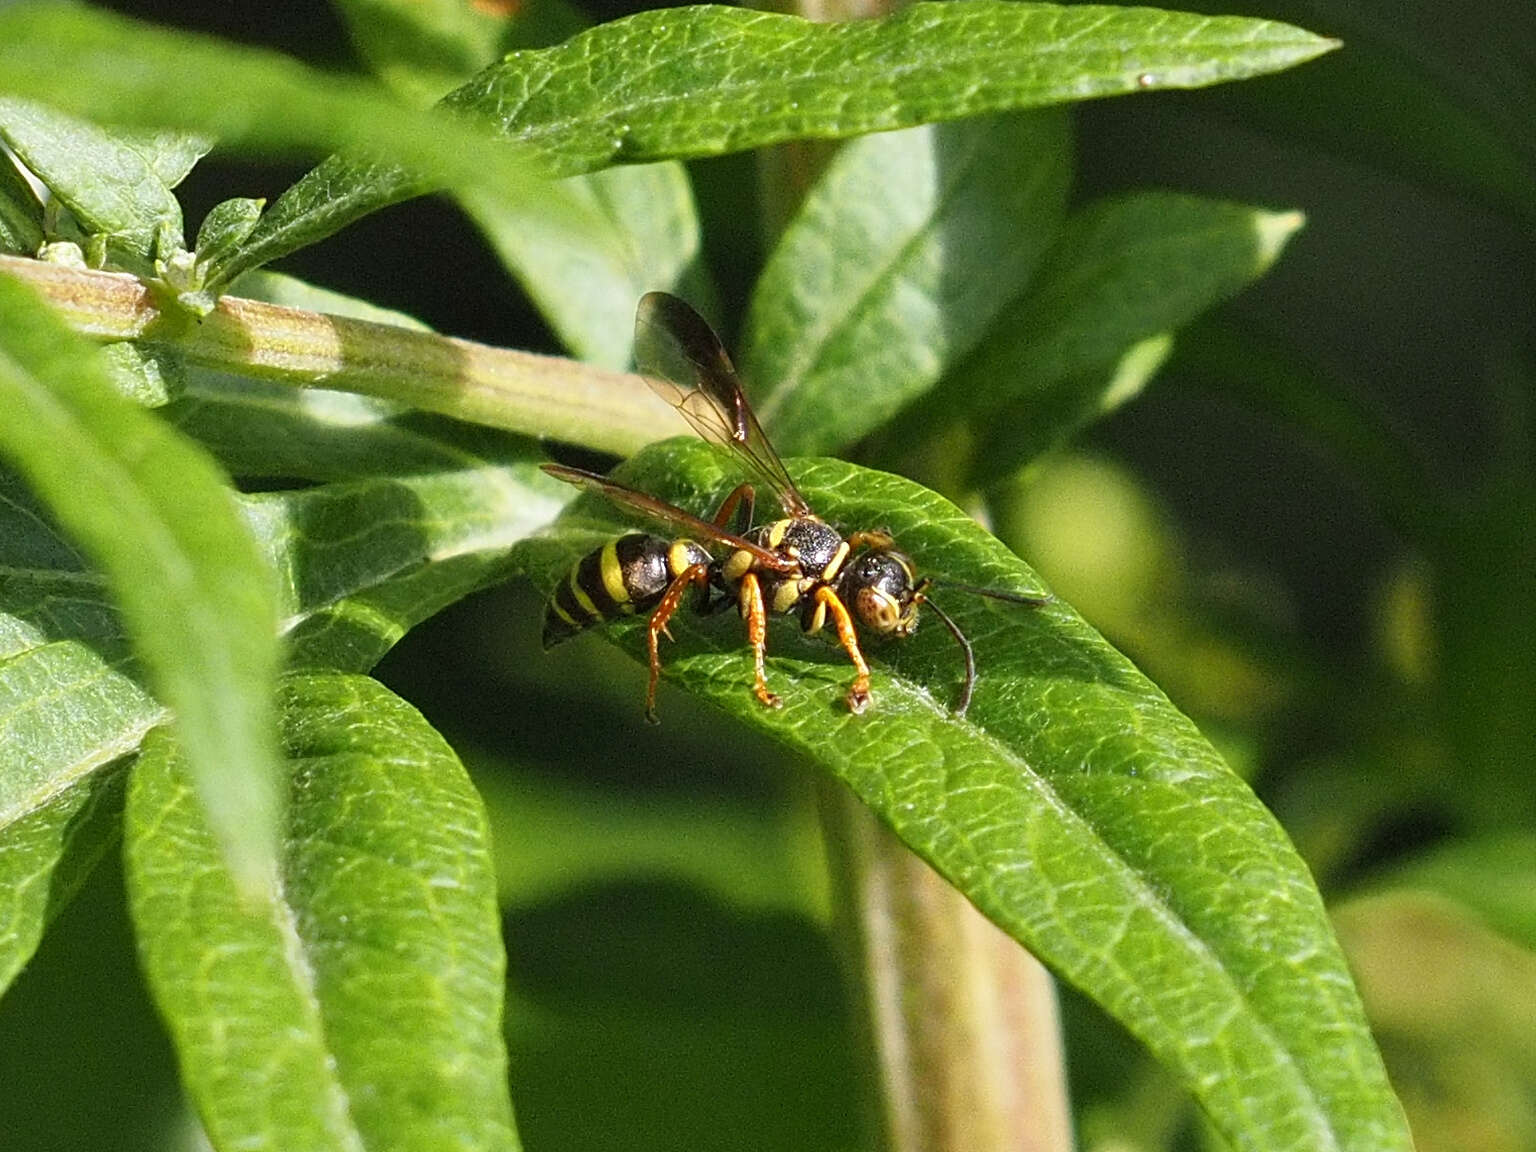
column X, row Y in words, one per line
column 659, row 510
column 684, row 362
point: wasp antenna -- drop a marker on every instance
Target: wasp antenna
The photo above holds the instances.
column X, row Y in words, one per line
column 1032, row 600
column 965, row 647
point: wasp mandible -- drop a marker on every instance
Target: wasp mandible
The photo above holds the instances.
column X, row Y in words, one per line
column 795, row 564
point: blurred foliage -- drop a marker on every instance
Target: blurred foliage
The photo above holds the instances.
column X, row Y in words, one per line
column 1310, row 526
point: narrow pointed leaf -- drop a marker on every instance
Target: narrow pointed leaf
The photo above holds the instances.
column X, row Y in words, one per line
column 71, row 705
column 900, row 259
column 645, row 234
column 1124, row 271
column 586, row 283
column 154, row 514
column 706, row 80
column 1074, row 805
column 700, row 81
column 360, row 1005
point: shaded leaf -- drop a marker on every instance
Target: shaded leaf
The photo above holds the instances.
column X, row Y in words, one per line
column 1073, row 805
column 424, row 49
column 900, row 259
column 360, row 1005
column 1492, row 876
column 1124, row 271
column 48, row 846
column 586, row 284
column 21, row 216
column 156, row 516
column 363, row 562
column 116, row 183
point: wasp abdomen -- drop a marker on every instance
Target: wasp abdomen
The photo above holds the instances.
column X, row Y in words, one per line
column 626, row 575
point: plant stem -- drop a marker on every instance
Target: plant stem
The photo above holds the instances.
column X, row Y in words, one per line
column 963, row 1020
column 543, row 396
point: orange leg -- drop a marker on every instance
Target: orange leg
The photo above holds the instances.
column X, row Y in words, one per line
column 742, row 495
column 858, row 694
column 750, row 593
column 670, row 599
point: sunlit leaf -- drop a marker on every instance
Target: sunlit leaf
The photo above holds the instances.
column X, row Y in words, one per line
column 360, row 1005
column 156, row 516
column 1073, row 805
column 902, row 257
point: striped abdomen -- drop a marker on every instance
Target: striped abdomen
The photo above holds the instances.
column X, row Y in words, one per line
column 626, row 575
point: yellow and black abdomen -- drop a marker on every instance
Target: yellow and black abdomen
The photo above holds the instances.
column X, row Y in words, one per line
column 626, row 575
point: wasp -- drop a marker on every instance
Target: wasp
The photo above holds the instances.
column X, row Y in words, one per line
column 797, row 564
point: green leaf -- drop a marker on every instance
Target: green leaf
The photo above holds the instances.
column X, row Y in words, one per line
column 900, row 259
column 361, row 1006
column 362, row 562
column 586, row 284
column 258, row 101
column 21, row 216
column 226, row 226
column 116, row 183
column 1074, row 805
column 703, row 80
column 1125, row 271
column 70, row 712
column 646, row 233
column 1492, row 876
column 424, row 49
column 48, row 846
column 156, row 516
column 147, row 376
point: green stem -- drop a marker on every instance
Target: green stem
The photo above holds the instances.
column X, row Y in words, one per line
column 543, row 396
column 962, row 1020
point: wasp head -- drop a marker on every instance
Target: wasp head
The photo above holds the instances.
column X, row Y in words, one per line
column 883, row 592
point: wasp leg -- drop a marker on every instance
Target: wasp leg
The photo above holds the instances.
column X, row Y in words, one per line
column 694, row 574
column 858, row 694
column 750, row 594
column 744, row 496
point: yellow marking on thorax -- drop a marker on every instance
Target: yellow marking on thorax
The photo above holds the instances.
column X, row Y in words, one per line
column 678, row 556
column 613, row 576
column 737, row 566
column 835, row 565
column 776, row 532
column 785, row 595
